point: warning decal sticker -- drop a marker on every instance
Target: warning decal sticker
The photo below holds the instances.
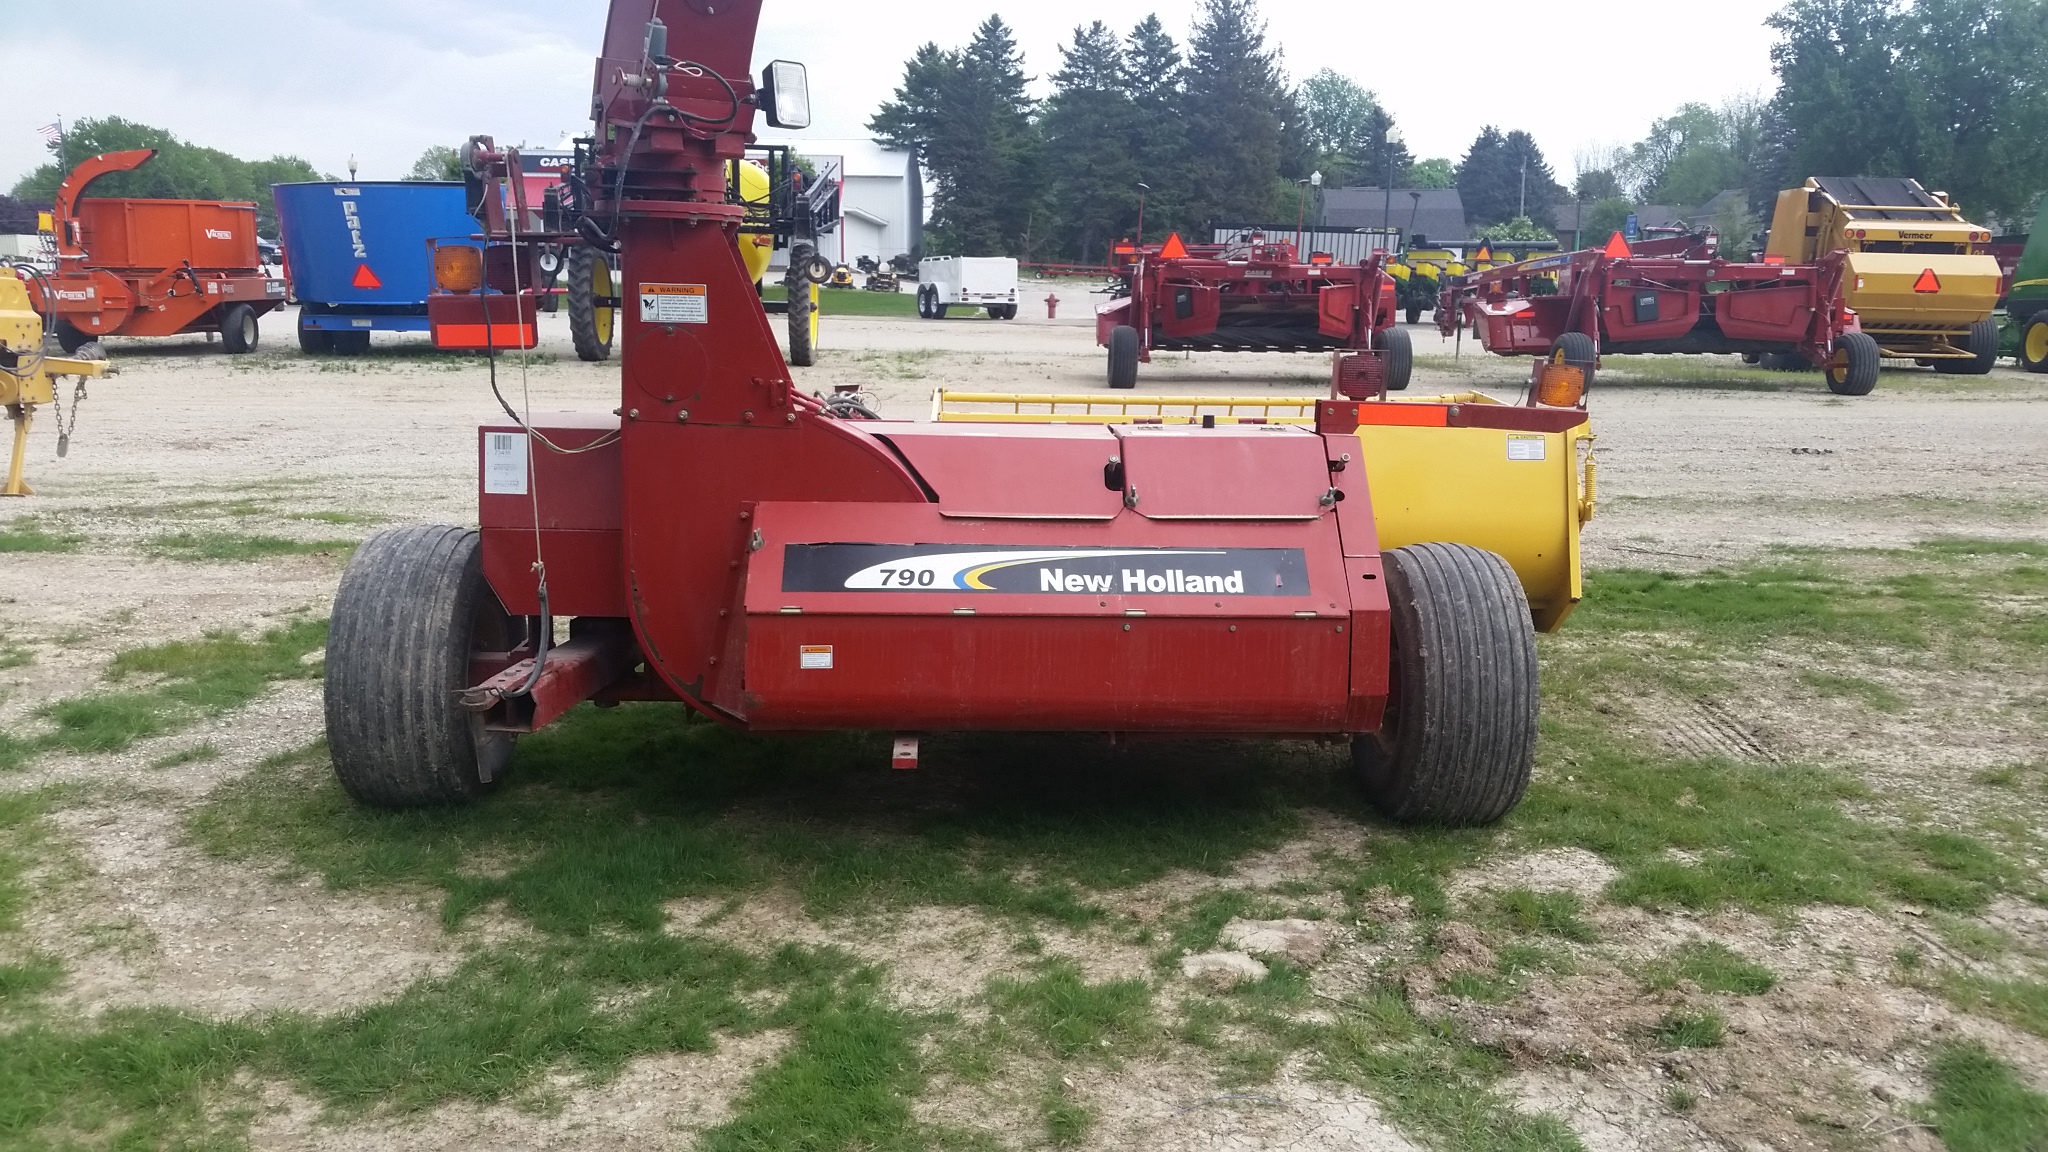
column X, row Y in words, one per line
column 674, row 304
column 1526, row 447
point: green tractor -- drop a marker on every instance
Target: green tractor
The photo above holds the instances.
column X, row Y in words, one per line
column 2025, row 334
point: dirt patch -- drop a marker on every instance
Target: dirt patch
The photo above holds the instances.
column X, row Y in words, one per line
column 655, row 1102
column 1171, row 1108
column 1572, row 870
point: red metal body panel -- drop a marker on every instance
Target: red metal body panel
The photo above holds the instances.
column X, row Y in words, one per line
column 151, row 235
column 1673, row 295
column 784, row 569
column 576, row 492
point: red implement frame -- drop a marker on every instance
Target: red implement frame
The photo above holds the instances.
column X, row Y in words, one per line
column 1671, row 295
column 152, row 267
column 726, row 541
column 1250, row 296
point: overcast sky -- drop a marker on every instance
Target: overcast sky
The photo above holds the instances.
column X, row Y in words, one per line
column 381, row 80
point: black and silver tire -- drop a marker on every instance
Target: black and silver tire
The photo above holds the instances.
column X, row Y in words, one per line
column 1123, row 357
column 314, row 341
column 1400, row 350
column 591, row 319
column 69, row 336
column 924, row 304
column 412, row 606
column 238, row 332
column 1853, row 369
column 796, row 290
column 1982, row 345
column 2033, row 350
column 1459, row 739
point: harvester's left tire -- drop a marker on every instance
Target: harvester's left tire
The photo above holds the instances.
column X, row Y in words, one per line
column 1400, row 350
column 1123, row 357
column 1982, row 344
column 412, row 606
column 1853, row 371
column 238, row 332
column 2034, row 343
column 1459, row 739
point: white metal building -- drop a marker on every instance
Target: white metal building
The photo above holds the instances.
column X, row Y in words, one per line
column 881, row 202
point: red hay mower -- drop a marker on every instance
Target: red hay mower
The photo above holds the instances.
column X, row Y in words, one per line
column 780, row 563
column 1669, row 295
column 1253, row 295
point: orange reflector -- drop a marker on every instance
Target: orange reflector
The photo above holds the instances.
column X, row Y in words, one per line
column 365, row 278
column 1319, row 259
column 1928, row 282
column 1404, row 415
column 459, row 268
column 479, row 336
column 1617, row 248
column 1560, row 385
column 1774, row 258
column 1175, row 248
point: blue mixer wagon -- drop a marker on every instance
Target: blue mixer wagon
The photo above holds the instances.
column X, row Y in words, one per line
column 359, row 258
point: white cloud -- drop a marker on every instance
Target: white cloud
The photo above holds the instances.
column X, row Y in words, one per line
column 383, row 79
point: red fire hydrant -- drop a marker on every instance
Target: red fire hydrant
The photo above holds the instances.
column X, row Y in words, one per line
column 1052, row 306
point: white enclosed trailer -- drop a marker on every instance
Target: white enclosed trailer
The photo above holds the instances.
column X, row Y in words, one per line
column 988, row 282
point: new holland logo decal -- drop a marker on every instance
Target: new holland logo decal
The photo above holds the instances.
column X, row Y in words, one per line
column 1065, row 571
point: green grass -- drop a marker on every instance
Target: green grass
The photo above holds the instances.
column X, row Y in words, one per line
column 858, row 302
column 27, row 534
column 1072, row 1018
column 2020, row 1003
column 1544, row 913
column 610, row 813
column 186, row 680
column 15, row 656
column 193, row 755
column 1981, row 1105
column 1681, row 1028
column 1870, row 692
column 237, row 546
column 339, row 517
column 1713, row 967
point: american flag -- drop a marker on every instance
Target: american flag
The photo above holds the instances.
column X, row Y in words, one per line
column 54, row 133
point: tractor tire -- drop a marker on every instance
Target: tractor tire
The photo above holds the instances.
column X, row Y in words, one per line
column 69, row 337
column 796, row 292
column 1123, row 357
column 1579, row 352
column 2033, row 353
column 1400, row 350
column 238, row 332
column 1459, row 738
column 314, row 341
column 1853, row 371
column 1983, row 347
column 1782, row 362
column 350, row 343
column 590, row 323
column 1414, row 313
column 411, row 608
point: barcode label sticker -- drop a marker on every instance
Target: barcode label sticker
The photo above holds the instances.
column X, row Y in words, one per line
column 814, row 656
column 1526, row 447
column 505, row 463
column 674, row 304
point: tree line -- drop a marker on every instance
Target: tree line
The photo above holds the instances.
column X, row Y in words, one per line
column 179, row 171
column 1951, row 92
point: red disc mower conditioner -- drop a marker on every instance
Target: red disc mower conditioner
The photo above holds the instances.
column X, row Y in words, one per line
column 358, row 254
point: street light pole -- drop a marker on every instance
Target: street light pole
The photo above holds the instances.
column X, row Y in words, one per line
column 1393, row 141
column 1413, row 209
column 1314, row 179
column 1142, row 189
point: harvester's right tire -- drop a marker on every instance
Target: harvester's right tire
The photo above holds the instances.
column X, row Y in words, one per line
column 1400, row 350
column 1459, row 739
column 1579, row 353
column 1853, row 371
column 314, row 341
column 590, row 323
column 69, row 338
column 2034, row 342
column 238, row 333
column 1123, row 357
column 1982, row 345
column 412, row 606
column 350, row 343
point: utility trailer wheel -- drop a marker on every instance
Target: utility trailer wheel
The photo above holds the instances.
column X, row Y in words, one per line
column 238, row 333
column 590, row 323
column 1853, row 371
column 1123, row 357
column 1983, row 347
column 1004, row 312
column 1459, row 739
column 411, row 608
column 350, row 343
column 314, row 341
column 2034, row 342
column 924, row 304
column 1400, row 350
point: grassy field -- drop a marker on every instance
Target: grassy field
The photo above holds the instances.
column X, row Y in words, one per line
column 616, row 819
column 856, row 302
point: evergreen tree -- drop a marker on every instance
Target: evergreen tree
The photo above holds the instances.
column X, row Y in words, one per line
column 1234, row 105
column 1157, row 134
column 1504, row 176
column 1091, row 171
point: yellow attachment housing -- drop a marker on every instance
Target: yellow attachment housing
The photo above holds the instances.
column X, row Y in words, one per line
column 1881, row 288
column 27, row 377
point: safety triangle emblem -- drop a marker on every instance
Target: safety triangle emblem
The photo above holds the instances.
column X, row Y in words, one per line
column 1175, row 249
column 1617, row 248
column 1928, row 282
column 1484, row 255
column 365, row 278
